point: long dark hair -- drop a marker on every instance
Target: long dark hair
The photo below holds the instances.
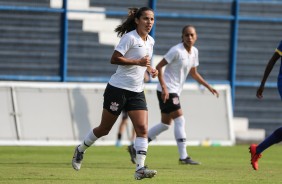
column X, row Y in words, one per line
column 129, row 24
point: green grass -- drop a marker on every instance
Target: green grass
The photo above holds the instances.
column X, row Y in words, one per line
column 108, row 164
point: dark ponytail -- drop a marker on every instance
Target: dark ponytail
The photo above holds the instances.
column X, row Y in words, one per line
column 129, row 24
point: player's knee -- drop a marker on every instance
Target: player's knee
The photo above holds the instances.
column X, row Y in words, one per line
column 141, row 132
column 102, row 132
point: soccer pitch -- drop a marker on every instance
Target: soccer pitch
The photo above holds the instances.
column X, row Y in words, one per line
column 108, row 164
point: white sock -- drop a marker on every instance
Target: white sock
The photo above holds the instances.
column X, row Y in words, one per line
column 87, row 142
column 157, row 130
column 141, row 147
column 180, row 136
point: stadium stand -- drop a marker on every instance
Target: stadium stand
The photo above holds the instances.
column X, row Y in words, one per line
column 30, row 43
column 257, row 41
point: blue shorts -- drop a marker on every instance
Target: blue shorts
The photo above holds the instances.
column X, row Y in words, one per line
column 117, row 99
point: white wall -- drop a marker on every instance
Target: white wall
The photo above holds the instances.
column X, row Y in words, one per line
column 63, row 113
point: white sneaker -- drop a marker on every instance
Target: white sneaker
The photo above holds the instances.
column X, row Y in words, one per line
column 77, row 159
column 144, row 172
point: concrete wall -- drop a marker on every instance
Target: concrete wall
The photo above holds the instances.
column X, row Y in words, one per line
column 63, row 113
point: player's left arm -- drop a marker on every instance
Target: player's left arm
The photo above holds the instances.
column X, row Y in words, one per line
column 195, row 74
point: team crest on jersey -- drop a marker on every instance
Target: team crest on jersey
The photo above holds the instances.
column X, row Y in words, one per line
column 175, row 100
column 114, row 106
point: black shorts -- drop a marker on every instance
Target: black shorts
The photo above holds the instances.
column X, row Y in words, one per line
column 172, row 104
column 117, row 99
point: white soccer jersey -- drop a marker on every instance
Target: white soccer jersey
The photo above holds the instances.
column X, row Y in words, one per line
column 179, row 65
column 131, row 77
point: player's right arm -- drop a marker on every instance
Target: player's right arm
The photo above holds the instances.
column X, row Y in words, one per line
column 119, row 59
column 159, row 67
column 267, row 71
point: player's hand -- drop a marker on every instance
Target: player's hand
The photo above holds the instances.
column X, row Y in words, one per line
column 259, row 92
column 214, row 92
column 154, row 72
column 145, row 61
column 165, row 96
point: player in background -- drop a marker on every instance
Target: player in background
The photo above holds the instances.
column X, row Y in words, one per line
column 276, row 136
column 125, row 89
column 181, row 60
column 121, row 128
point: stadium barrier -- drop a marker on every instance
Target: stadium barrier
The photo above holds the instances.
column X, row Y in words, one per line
column 34, row 113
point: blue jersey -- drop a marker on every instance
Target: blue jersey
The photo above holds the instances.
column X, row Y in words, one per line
column 279, row 51
column 279, row 82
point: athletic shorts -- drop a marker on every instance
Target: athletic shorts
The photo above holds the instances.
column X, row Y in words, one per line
column 117, row 99
column 171, row 105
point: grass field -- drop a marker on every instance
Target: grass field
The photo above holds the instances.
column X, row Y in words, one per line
column 108, row 164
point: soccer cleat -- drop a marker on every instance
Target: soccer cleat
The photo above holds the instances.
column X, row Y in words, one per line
column 77, row 159
column 132, row 152
column 188, row 160
column 254, row 156
column 144, row 172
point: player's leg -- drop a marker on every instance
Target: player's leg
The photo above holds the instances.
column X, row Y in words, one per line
column 256, row 150
column 107, row 122
column 121, row 128
column 156, row 130
column 133, row 136
column 275, row 137
column 130, row 148
column 160, row 127
column 139, row 119
column 109, row 116
column 180, row 137
column 173, row 107
column 165, row 119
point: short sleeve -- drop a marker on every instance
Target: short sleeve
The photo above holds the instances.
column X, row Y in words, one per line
column 171, row 55
column 124, row 44
column 279, row 48
column 196, row 63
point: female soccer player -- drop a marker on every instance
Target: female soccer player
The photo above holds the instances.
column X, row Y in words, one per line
column 276, row 136
column 125, row 88
column 181, row 60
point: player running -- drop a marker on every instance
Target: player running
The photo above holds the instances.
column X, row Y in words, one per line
column 181, row 60
column 125, row 89
column 276, row 136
